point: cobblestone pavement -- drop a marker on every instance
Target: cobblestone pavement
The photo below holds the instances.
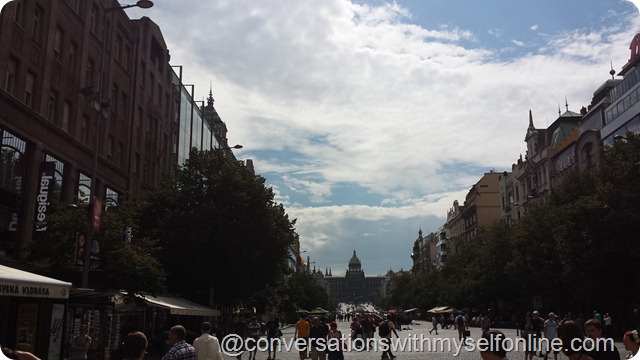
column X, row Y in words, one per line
column 415, row 331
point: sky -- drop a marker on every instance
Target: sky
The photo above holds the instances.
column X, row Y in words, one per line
column 369, row 118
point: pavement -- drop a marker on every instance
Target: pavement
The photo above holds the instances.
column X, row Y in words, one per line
column 417, row 342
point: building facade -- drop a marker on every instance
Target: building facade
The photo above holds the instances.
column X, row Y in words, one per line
column 354, row 286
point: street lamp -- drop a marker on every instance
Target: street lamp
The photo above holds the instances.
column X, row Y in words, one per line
column 95, row 205
column 237, row 146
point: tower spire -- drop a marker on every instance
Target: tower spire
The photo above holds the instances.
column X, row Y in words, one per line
column 210, row 99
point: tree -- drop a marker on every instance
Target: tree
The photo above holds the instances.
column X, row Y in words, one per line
column 306, row 291
column 218, row 229
column 132, row 267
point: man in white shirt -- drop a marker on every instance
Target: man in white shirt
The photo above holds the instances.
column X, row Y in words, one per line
column 207, row 346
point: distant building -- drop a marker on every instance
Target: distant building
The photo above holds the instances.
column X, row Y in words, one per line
column 354, row 286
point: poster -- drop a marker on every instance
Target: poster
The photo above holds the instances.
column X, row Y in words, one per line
column 55, row 333
column 26, row 326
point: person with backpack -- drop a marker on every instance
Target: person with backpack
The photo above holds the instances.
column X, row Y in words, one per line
column 385, row 329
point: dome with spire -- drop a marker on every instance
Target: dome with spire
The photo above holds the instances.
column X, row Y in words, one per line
column 354, row 262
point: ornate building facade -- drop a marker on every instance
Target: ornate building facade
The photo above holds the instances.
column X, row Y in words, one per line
column 354, row 286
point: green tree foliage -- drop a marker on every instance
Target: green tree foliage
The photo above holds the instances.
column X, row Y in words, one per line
column 575, row 250
column 126, row 266
column 306, row 291
column 219, row 230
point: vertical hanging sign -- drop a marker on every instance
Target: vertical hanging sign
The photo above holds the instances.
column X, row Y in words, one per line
column 45, row 187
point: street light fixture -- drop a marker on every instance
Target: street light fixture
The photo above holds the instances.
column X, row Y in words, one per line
column 95, row 205
column 237, row 146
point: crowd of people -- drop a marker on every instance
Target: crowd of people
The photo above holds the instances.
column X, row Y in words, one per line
column 316, row 332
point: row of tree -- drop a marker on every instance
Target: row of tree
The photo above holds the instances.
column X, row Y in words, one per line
column 576, row 251
column 211, row 232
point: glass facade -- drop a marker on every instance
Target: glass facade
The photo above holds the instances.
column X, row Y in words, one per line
column 194, row 132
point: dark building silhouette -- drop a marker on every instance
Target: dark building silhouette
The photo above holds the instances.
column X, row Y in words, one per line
column 354, row 286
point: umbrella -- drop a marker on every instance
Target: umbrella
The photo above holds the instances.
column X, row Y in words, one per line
column 302, row 311
column 318, row 311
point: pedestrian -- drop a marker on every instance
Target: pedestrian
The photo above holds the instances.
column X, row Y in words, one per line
column 572, row 339
column 240, row 329
column 80, row 344
column 302, row 332
column 608, row 325
column 460, row 325
column 385, row 330
column 254, row 328
column 335, row 343
column 318, row 335
column 485, row 324
column 538, row 324
column 207, row 346
column 495, row 349
column 550, row 332
column 135, row 346
column 273, row 336
column 593, row 330
column 434, row 325
column 367, row 327
column 180, row 349
column 528, row 334
column 631, row 342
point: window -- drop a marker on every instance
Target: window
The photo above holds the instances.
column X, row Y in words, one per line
column 84, row 187
column 51, row 108
column 17, row 16
column 10, row 76
column 116, row 50
column 66, row 116
column 37, row 23
column 111, row 199
column 88, row 74
column 57, row 44
column 120, row 154
column 93, row 19
column 28, row 89
column 110, row 148
column 125, row 57
column 71, row 57
column 82, row 129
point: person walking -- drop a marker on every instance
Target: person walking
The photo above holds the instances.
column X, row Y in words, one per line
column 434, row 324
column 386, row 328
column 207, row 346
column 80, row 344
column 335, row 335
column 135, row 346
column 461, row 326
column 318, row 339
column 302, row 332
column 180, row 349
column 550, row 332
column 254, row 328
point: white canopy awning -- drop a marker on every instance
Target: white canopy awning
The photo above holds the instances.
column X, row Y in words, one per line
column 14, row 282
column 180, row 306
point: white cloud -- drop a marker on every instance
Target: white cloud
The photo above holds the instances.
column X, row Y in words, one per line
column 341, row 92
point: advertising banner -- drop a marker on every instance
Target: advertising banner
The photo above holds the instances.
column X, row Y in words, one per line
column 45, row 190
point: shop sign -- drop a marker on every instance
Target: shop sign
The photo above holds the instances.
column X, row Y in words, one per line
column 12, row 288
column 45, row 187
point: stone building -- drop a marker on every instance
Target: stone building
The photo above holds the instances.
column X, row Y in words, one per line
column 354, row 286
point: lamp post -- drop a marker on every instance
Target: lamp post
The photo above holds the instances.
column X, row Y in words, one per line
column 237, row 146
column 95, row 205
